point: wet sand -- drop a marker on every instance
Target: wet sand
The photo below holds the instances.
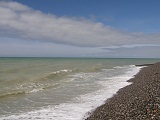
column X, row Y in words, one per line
column 138, row 101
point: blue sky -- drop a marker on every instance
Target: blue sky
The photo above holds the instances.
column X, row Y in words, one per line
column 128, row 15
column 80, row 28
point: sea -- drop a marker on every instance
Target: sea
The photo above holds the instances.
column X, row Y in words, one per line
column 61, row 88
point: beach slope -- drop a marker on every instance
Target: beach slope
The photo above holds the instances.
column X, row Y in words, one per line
column 138, row 101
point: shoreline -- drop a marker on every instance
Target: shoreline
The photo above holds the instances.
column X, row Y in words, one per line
column 140, row 100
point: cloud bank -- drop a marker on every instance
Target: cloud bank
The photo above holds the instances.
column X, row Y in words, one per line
column 20, row 21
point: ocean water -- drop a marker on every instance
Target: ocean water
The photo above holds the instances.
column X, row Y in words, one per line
column 60, row 88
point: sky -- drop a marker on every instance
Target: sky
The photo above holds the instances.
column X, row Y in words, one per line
column 80, row 28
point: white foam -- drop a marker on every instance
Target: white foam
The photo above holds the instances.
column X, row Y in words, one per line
column 79, row 107
column 65, row 70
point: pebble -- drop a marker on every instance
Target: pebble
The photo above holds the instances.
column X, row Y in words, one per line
column 138, row 101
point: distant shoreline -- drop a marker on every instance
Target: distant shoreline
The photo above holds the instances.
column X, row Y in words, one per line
column 144, row 65
column 140, row 100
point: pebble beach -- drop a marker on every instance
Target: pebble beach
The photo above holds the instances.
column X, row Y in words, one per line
column 138, row 101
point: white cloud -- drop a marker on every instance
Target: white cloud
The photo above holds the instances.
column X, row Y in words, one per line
column 17, row 47
column 138, row 52
column 131, row 46
column 20, row 21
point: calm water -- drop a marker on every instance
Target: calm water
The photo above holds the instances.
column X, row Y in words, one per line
column 60, row 88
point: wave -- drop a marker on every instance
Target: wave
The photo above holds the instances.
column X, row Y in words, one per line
column 17, row 69
column 58, row 74
column 94, row 69
column 37, row 85
column 79, row 107
column 13, row 93
column 18, row 92
column 126, row 66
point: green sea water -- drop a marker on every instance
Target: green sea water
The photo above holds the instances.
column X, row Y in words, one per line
column 30, row 84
